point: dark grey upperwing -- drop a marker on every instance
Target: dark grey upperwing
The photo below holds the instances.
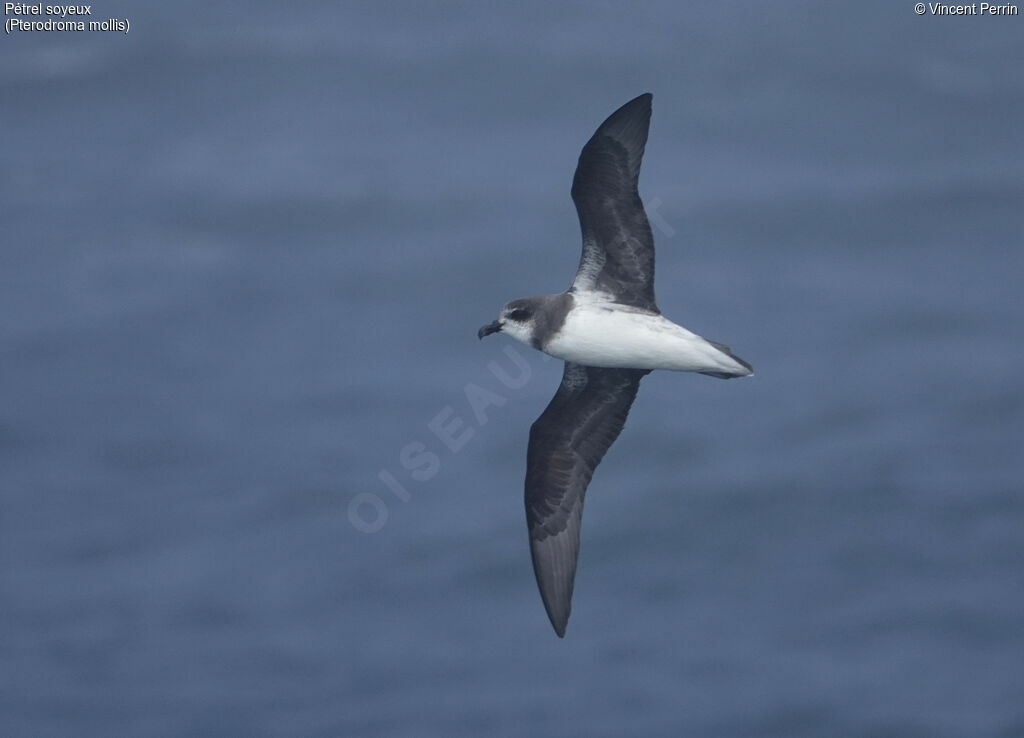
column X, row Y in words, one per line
column 618, row 249
column 567, row 442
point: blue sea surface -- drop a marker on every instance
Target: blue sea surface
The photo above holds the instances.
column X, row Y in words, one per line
column 244, row 487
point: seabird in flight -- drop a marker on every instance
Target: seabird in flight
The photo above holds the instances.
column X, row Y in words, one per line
column 609, row 331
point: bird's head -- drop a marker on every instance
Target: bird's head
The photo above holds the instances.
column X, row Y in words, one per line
column 516, row 320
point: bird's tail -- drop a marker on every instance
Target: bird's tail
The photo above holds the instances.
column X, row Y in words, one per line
column 738, row 368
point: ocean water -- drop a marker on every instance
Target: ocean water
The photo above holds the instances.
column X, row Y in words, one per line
column 244, row 254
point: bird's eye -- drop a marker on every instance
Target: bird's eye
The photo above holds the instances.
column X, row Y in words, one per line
column 519, row 315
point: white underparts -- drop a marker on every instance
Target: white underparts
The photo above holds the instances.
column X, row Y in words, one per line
column 602, row 334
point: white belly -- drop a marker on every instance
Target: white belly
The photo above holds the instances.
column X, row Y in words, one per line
column 607, row 337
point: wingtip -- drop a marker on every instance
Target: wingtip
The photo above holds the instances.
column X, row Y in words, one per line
column 640, row 102
column 555, row 592
column 628, row 127
column 559, row 624
column 558, row 611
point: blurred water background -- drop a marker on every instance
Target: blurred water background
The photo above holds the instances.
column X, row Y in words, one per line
column 245, row 250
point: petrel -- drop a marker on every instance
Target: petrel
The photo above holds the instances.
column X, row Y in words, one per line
column 609, row 331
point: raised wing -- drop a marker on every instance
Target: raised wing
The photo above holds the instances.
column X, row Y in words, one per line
column 618, row 249
column 567, row 442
